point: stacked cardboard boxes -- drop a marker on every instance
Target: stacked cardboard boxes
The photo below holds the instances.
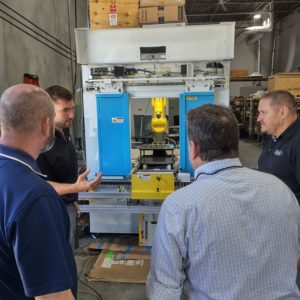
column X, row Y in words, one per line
column 114, row 13
column 161, row 11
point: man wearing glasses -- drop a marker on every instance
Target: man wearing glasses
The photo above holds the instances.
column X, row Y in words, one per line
column 60, row 163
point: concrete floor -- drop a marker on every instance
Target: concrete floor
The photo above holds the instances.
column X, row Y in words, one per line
column 249, row 152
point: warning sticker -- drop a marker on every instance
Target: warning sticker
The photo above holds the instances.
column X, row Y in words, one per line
column 113, row 9
column 113, row 19
column 144, row 177
column 117, row 120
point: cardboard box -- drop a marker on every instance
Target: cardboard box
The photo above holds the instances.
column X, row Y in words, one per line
column 285, row 81
column 120, row 261
column 239, row 73
column 108, row 14
column 115, row 267
column 161, row 14
column 145, row 3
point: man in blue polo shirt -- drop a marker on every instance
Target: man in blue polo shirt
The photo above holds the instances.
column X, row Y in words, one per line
column 36, row 259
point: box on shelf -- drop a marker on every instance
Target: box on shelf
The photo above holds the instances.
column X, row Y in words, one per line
column 108, row 14
column 285, row 81
column 161, row 14
column 239, row 73
column 145, row 3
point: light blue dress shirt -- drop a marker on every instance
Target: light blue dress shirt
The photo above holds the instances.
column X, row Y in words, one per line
column 231, row 234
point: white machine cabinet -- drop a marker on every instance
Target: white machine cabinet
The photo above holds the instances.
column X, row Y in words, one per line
column 143, row 63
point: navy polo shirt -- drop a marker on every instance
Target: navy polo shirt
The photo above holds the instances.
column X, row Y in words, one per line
column 60, row 163
column 35, row 254
column 281, row 157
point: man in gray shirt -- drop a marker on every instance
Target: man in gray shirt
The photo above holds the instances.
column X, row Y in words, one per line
column 231, row 234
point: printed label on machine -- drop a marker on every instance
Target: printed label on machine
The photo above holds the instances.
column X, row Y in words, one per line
column 144, row 177
column 117, row 120
column 191, row 98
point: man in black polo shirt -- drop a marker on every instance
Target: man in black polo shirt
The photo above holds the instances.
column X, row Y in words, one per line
column 60, row 163
column 281, row 150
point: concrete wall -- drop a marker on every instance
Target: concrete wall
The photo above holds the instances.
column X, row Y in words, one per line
column 288, row 58
column 37, row 37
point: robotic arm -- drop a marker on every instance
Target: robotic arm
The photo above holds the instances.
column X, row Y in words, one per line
column 159, row 121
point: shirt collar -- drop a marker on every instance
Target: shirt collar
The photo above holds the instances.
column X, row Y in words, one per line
column 288, row 132
column 216, row 165
column 20, row 155
column 63, row 136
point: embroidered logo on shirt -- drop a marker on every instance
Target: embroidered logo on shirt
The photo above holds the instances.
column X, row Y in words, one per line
column 278, row 152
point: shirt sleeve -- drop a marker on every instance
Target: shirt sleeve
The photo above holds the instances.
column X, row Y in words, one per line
column 296, row 163
column 167, row 275
column 45, row 166
column 40, row 244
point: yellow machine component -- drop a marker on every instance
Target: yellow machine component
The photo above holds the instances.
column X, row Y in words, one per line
column 156, row 186
column 159, row 121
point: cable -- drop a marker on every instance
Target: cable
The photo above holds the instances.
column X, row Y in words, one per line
column 83, row 273
column 86, row 293
column 34, row 37
column 173, row 141
column 32, row 30
column 30, row 22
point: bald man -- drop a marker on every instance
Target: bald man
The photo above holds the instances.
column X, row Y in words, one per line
column 36, row 260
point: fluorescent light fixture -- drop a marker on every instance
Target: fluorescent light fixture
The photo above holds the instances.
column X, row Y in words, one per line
column 253, row 28
column 261, row 22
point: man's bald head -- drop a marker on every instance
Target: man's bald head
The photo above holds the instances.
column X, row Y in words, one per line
column 23, row 107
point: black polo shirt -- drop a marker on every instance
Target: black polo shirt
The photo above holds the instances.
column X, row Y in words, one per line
column 60, row 163
column 281, row 157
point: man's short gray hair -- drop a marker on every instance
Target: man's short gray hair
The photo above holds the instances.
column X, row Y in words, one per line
column 23, row 107
column 282, row 98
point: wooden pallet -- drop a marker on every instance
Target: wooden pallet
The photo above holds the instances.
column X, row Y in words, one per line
column 102, row 11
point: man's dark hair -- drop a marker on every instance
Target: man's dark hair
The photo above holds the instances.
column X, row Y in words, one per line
column 59, row 92
column 282, row 98
column 214, row 130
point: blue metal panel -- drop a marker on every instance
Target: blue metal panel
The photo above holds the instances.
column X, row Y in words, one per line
column 189, row 101
column 113, row 134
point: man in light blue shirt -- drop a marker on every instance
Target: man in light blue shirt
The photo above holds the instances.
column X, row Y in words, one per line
column 231, row 234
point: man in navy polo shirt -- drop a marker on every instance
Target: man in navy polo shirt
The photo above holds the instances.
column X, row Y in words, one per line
column 36, row 259
column 281, row 150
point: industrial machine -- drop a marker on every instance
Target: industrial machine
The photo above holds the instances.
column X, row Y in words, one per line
column 134, row 75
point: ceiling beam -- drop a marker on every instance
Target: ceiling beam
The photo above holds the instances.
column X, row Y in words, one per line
column 241, row 3
column 235, row 13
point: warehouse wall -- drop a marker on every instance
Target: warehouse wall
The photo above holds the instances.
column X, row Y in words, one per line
column 245, row 57
column 37, row 37
column 287, row 57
